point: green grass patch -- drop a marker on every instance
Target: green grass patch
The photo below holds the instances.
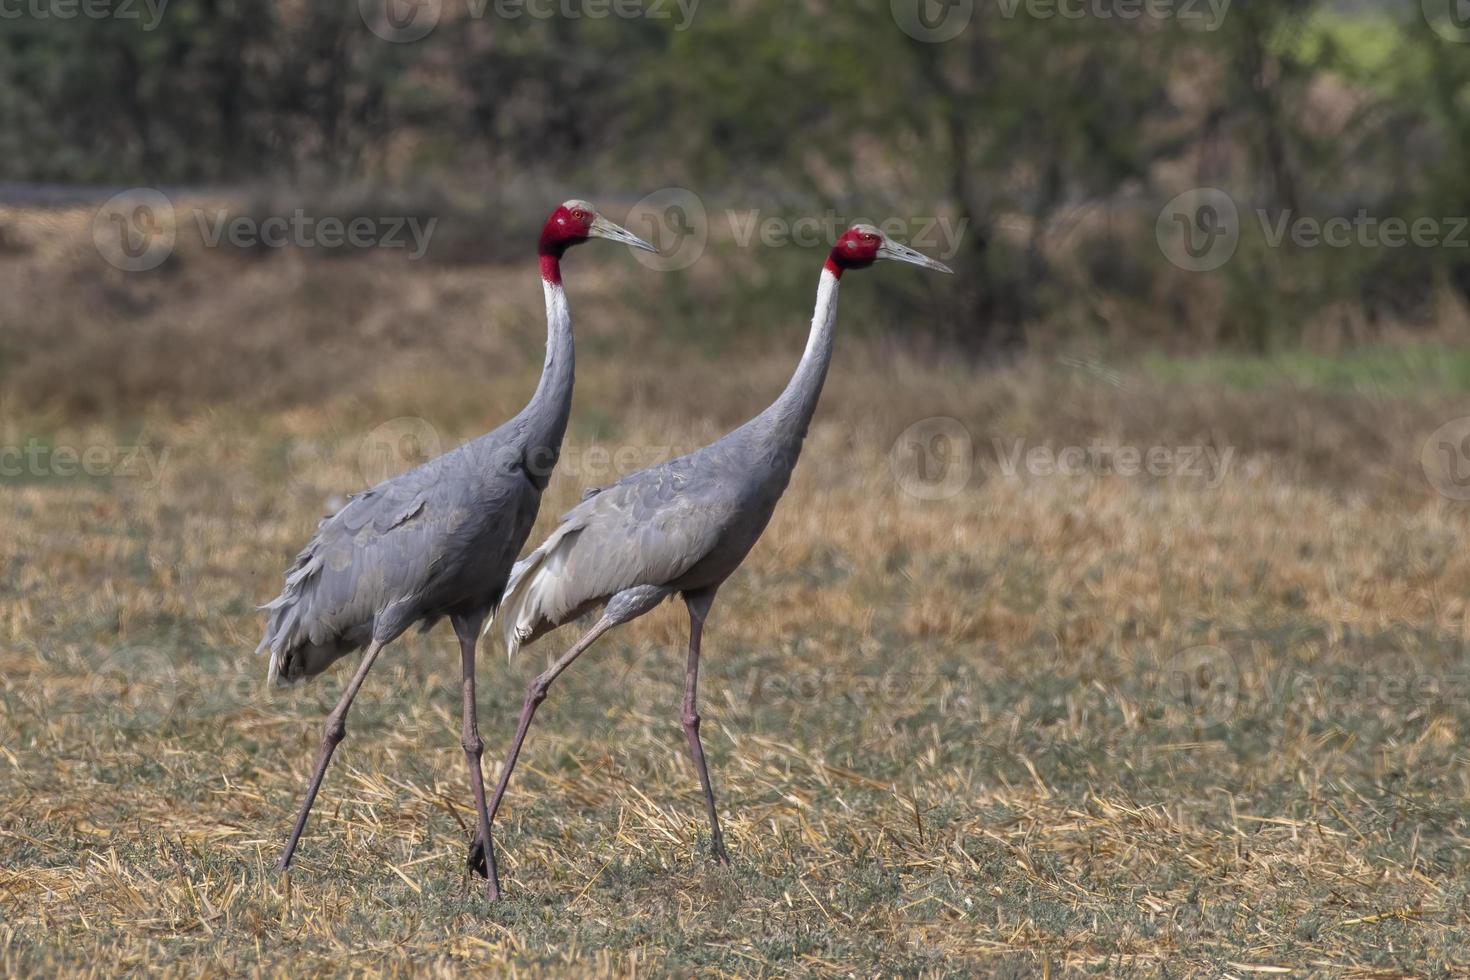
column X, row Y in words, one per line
column 1393, row 372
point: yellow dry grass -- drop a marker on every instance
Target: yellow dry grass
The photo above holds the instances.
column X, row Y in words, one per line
column 1083, row 723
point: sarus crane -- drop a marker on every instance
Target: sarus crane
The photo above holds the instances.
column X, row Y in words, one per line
column 678, row 528
column 436, row 541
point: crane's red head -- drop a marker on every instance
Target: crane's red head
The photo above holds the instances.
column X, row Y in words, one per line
column 571, row 224
column 856, row 249
column 862, row 245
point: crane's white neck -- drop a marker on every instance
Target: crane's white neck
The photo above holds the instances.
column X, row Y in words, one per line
column 819, row 340
column 543, row 422
column 791, row 413
column 556, row 372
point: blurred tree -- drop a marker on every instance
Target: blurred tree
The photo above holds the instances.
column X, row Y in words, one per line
column 1050, row 129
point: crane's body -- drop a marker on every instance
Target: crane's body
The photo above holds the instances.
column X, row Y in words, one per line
column 437, row 541
column 679, row 528
column 684, row 525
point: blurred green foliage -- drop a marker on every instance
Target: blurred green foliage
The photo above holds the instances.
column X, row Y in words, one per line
column 1054, row 138
column 1396, row 371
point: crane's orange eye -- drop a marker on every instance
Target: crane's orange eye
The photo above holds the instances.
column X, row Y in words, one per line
column 580, row 215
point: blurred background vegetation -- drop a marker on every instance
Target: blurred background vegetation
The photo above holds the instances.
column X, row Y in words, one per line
column 1052, row 140
column 1032, row 788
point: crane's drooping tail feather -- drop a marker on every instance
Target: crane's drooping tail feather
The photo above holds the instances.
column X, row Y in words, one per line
column 296, row 654
column 534, row 597
column 304, row 662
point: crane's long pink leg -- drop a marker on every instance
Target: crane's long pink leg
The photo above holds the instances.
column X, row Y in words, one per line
column 698, row 605
column 468, row 632
column 333, row 733
column 535, row 694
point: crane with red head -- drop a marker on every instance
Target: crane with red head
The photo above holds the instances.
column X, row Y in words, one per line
column 437, row 541
column 680, row 528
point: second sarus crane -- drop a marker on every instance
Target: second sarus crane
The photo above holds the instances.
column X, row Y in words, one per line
column 679, row 528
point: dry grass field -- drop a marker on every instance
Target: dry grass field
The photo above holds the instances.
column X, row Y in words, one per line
column 1084, row 722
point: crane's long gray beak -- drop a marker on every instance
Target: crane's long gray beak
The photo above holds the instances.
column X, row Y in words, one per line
column 602, row 228
column 902, row 253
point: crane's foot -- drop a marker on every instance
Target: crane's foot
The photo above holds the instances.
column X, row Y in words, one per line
column 717, row 850
column 476, row 860
column 478, row 865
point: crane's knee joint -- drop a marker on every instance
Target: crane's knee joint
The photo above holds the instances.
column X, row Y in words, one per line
column 691, row 721
column 473, row 744
column 536, row 692
column 335, row 730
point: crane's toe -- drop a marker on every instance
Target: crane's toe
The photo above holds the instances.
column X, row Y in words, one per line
column 478, row 865
column 476, row 860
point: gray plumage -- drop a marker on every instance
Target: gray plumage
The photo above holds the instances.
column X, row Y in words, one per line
column 685, row 525
column 440, row 539
column 679, row 528
column 435, row 541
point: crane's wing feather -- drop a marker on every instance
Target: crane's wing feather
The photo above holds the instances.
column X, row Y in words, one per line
column 648, row 529
column 380, row 562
